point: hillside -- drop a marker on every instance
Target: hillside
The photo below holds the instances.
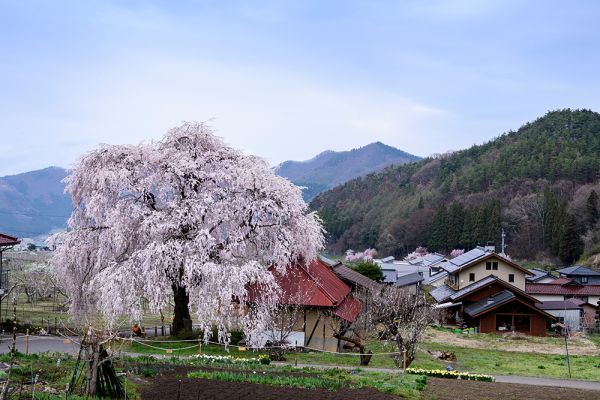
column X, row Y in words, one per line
column 332, row 168
column 536, row 183
column 33, row 203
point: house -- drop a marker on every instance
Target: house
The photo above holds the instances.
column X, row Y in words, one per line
column 576, row 314
column 426, row 266
column 412, row 282
column 564, row 289
column 479, row 263
column 6, row 242
column 583, row 275
column 492, row 305
column 539, row 276
column 322, row 295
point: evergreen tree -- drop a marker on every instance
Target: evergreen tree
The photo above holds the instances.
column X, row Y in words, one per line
column 571, row 245
column 467, row 237
column 421, row 204
column 369, row 269
column 439, row 230
column 481, row 219
column 456, row 216
column 592, row 209
column 493, row 223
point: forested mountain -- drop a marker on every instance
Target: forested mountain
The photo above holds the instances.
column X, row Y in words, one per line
column 539, row 183
column 332, row 168
column 33, row 203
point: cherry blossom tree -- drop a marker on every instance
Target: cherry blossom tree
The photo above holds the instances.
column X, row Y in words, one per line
column 184, row 219
column 457, row 252
column 367, row 255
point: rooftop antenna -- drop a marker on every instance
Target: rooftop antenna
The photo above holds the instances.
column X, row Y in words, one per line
column 503, row 244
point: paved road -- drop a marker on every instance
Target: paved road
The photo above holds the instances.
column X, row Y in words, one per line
column 40, row 344
column 567, row 383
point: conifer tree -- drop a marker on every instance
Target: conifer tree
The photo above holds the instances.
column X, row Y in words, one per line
column 571, row 245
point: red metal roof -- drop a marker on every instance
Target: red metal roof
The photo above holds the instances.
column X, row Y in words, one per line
column 315, row 285
column 349, row 309
column 6, row 240
column 550, row 288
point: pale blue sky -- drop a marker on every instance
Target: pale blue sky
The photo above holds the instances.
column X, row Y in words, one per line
column 287, row 80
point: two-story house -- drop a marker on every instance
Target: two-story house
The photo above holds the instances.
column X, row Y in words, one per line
column 580, row 274
column 486, row 290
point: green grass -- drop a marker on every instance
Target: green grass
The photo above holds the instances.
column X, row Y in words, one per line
column 407, row 386
column 496, row 362
column 381, row 361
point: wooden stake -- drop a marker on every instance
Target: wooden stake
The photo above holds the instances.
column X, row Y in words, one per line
column 27, row 342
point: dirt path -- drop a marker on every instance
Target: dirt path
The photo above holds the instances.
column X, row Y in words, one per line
column 529, row 344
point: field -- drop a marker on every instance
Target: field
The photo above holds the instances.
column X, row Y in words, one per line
column 486, row 354
column 448, row 389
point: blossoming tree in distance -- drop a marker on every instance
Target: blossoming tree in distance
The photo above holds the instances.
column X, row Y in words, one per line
column 185, row 219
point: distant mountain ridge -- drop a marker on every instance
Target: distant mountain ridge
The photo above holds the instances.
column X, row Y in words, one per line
column 539, row 183
column 32, row 204
column 331, row 168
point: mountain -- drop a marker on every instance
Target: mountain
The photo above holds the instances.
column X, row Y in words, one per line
column 539, row 184
column 331, row 168
column 32, row 204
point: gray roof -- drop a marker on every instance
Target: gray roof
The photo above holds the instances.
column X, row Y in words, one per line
column 457, row 262
column 473, row 286
column 432, row 259
column 558, row 305
column 387, row 259
column 329, row 261
column 436, row 277
column 409, row 279
column 489, row 302
column 537, row 275
column 442, row 293
column 578, row 270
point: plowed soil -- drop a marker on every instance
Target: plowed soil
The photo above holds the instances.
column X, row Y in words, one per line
column 176, row 385
column 450, row 389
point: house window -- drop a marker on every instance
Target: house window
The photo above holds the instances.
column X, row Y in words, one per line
column 584, row 279
column 511, row 277
column 495, row 265
column 471, row 277
column 488, row 265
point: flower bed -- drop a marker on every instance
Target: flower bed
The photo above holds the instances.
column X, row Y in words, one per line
column 208, row 359
column 440, row 373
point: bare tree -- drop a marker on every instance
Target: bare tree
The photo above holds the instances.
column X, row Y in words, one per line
column 401, row 318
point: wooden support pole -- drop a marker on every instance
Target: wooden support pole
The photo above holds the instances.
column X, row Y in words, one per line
column 27, row 342
column 199, row 345
column 404, row 359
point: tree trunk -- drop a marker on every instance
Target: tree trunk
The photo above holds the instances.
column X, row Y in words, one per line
column 92, row 361
column 181, row 316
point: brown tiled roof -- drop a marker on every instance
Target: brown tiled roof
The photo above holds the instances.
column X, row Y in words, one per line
column 551, row 288
column 350, row 275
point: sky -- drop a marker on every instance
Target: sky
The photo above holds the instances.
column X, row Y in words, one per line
column 287, row 80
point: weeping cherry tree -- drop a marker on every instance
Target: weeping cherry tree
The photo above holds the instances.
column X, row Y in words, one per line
column 185, row 219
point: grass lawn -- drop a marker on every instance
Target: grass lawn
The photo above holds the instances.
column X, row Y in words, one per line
column 496, row 362
column 382, row 361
